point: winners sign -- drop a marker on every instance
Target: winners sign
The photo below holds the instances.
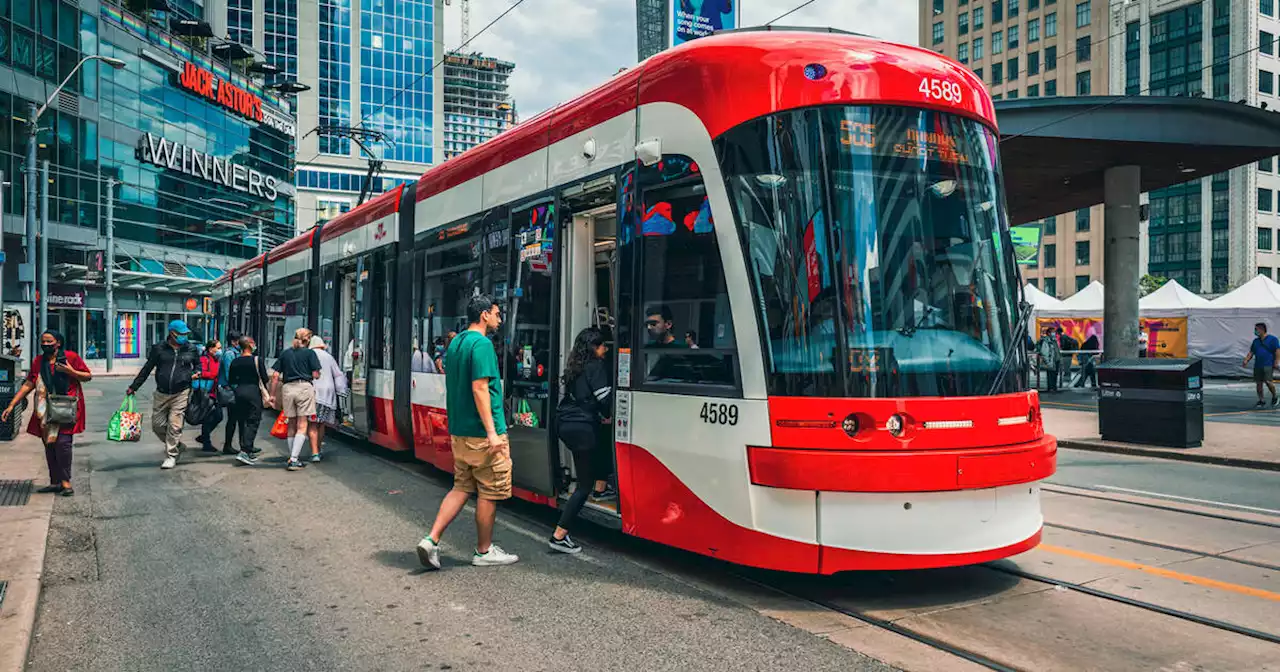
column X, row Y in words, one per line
column 171, row 155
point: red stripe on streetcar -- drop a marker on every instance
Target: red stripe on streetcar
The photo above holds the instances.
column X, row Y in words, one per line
column 865, row 471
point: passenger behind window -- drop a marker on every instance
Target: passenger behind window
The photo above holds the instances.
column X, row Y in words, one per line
column 659, row 322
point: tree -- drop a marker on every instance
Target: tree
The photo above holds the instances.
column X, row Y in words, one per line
column 1150, row 283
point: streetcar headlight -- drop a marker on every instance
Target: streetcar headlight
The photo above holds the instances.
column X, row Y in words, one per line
column 896, row 425
column 850, row 425
column 815, row 71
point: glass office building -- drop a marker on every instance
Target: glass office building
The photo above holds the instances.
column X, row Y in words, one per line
column 199, row 157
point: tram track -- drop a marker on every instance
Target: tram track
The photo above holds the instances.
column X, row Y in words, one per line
column 1140, row 604
column 1050, row 487
column 1166, row 547
column 884, row 624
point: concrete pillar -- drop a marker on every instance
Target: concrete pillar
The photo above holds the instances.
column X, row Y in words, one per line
column 1120, row 223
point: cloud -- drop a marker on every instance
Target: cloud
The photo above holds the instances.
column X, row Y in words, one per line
column 563, row 48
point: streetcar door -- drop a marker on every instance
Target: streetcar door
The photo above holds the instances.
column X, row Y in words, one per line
column 589, row 299
column 354, row 282
column 529, row 346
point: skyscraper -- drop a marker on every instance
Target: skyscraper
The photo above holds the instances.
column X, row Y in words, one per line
column 476, row 103
column 369, row 63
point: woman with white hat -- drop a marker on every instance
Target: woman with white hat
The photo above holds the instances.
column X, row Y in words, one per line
column 331, row 383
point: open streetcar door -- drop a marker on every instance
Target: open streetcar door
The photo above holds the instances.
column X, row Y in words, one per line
column 530, row 347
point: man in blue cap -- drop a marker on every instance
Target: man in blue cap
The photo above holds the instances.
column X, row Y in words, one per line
column 176, row 363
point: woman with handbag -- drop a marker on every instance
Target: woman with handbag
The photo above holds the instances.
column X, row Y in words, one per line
column 210, row 362
column 248, row 377
column 56, row 375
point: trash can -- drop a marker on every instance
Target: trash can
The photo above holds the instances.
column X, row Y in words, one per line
column 1152, row 401
column 9, row 382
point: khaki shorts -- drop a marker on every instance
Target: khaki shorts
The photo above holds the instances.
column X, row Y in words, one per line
column 475, row 470
column 299, row 399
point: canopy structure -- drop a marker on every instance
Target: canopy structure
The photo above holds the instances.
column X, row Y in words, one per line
column 1084, row 303
column 1172, row 299
column 1039, row 300
column 1260, row 292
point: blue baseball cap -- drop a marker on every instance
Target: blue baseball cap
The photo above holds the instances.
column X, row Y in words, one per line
column 179, row 327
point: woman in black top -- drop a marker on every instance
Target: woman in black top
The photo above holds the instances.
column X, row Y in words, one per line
column 248, row 377
column 587, row 404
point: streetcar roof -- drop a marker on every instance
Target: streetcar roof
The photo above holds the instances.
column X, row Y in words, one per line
column 726, row 79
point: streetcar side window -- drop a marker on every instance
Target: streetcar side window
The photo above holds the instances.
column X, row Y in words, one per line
column 451, row 274
column 683, row 301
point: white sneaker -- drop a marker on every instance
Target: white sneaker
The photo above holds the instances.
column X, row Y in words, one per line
column 429, row 553
column 494, row 557
column 169, row 463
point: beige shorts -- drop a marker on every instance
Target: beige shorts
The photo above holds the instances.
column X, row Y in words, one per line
column 299, row 399
column 475, row 470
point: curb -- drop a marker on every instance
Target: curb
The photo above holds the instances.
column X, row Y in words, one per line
column 1168, row 454
column 25, row 530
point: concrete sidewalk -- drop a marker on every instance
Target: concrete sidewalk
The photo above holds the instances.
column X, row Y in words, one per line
column 24, row 531
column 1230, row 444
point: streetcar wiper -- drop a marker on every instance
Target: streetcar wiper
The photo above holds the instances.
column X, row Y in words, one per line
column 911, row 330
column 1014, row 345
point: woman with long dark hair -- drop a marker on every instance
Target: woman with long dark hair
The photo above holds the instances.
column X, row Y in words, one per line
column 247, row 375
column 60, row 372
column 586, row 406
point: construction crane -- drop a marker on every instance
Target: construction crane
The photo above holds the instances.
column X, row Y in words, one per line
column 465, row 7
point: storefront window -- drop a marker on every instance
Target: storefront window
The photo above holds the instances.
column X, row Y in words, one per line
column 95, row 335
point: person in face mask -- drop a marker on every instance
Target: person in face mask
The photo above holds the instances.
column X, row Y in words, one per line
column 176, row 363
column 61, row 372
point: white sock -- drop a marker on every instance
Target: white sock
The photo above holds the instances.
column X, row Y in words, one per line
column 298, row 441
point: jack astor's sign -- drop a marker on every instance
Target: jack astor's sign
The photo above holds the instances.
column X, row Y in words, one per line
column 171, row 155
column 202, row 82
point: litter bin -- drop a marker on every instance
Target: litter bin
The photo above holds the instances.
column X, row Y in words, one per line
column 8, row 388
column 1152, row 401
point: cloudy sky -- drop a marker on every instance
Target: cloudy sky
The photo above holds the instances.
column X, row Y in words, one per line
column 562, row 48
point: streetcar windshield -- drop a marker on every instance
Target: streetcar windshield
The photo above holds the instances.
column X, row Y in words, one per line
column 878, row 251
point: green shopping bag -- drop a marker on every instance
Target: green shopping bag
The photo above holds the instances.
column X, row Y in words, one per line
column 126, row 424
column 525, row 416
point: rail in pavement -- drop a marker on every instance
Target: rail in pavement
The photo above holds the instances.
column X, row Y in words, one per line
column 24, row 530
column 1228, row 444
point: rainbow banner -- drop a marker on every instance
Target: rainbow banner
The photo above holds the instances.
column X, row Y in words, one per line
column 127, row 335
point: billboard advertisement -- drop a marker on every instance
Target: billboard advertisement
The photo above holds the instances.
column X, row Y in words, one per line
column 1026, row 243
column 691, row 19
column 127, row 345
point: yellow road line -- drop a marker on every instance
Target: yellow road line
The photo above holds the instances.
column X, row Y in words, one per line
column 1166, row 573
column 1052, row 404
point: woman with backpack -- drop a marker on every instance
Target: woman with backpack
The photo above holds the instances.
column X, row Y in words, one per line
column 58, row 372
column 587, row 406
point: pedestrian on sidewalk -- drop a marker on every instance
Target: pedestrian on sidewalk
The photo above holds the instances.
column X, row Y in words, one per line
column 478, row 429
column 229, row 355
column 329, row 385
column 587, row 407
column 58, row 371
column 1089, row 362
column 1050, row 355
column 210, row 367
column 175, row 362
column 295, row 373
column 1263, row 353
column 247, row 377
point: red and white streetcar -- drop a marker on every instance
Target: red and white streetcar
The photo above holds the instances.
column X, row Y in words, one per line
column 819, row 220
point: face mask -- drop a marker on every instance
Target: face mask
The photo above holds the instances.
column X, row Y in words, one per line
column 48, row 350
column 180, row 340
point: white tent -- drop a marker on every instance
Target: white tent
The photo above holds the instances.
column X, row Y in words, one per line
column 1171, row 300
column 1039, row 300
column 1222, row 331
column 1084, row 303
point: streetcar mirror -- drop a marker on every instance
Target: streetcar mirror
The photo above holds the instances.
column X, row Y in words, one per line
column 649, row 152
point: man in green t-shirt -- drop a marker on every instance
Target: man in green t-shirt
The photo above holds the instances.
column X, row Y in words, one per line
column 481, row 453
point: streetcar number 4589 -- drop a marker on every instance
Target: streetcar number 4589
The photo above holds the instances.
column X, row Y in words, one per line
column 940, row 89
column 719, row 414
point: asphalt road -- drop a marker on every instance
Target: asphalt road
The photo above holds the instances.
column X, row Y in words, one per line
column 1224, row 401
column 217, row 567
column 1178, row 481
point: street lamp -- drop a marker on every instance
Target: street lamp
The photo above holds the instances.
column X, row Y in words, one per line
column 32, row 130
